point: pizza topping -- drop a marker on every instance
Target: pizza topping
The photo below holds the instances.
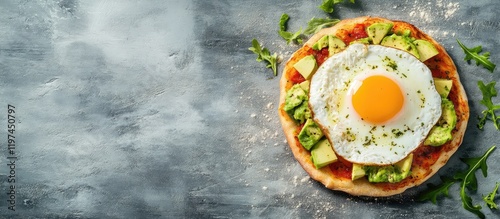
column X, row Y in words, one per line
column 441, row 132
column 310, row 134
column 443, row 86
column 335, row 45
column 306, row 66
column 356, row 33
column 358, row 171
column 321, row 43
column 321, row 55
column 322, row 154
column 377, row 31
column 296, row 77
column 391, row 173
column 294, row 97
column 342, row 168
column 425, row 49
column 400, row 42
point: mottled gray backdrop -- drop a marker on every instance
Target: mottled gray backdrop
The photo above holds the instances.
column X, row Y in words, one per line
column 156, row 109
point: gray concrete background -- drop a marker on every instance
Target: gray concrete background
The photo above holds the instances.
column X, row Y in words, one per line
column 156, row 109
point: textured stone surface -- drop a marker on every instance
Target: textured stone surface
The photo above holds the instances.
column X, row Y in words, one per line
column 156, row 109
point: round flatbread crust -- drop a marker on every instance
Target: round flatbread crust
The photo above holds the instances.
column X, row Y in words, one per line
column 441, row 65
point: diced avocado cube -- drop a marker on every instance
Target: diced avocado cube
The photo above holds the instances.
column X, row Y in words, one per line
column 443, row 86
column 405, row 165
column 302, row 113
column 322, row 154
column 306, row 66
column 335, row 45
column 425, row 49
column 365, row 41
column 441, row 132
column 377, row 31
column 321, row 43
column 357, row 171
column 305, row 85
column 390, row 173
column 294, row 97
column 310, row 134
column 402, row 43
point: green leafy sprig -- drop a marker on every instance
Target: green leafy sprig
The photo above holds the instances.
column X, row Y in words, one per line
column 473, row 53
column 316, row 24
column 328, row 5
column 468, row 182
column 488, row 92
column 263, row 54
column 289, row 36
column 490, row 198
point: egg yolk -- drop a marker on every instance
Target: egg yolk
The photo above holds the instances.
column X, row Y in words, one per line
column 378, row 99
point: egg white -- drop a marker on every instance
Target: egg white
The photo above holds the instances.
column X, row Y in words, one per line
column 359, row 141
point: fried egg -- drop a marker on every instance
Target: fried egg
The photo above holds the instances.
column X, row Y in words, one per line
column 375, row 104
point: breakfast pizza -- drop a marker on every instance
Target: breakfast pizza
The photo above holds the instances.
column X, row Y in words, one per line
column 372, row 106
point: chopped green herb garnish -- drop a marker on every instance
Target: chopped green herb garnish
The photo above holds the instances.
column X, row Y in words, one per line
column 263, row 54
column 473, row 53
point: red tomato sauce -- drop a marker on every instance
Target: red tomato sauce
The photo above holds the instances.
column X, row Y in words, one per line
column 356, row 33
column 321, row 55
column 425, row 156
column 342, row 168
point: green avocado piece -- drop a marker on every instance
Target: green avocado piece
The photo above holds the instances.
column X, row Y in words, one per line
column 365, row 40
column 302, row 113
column 294, row 97
column 405, row 165
column 321, row 43
column 390, row 173
column 305, row 85
column 425, row 49
column 443, row 86
column 400, row 42
column 310, row 134
column 377, row 31
column 358, row 171
column 322, row 154
column 335, row 45
column 306, row 66
column 441, row 132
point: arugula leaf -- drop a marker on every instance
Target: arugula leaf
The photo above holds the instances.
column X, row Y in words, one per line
column 488, row 92
column 490, row 198
column 327, row 5
column 289, row 36
column 283, row 21
column 469, row 180
column 263, row 54
column 433, row 191
column 473, row 53
column 316, row 24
